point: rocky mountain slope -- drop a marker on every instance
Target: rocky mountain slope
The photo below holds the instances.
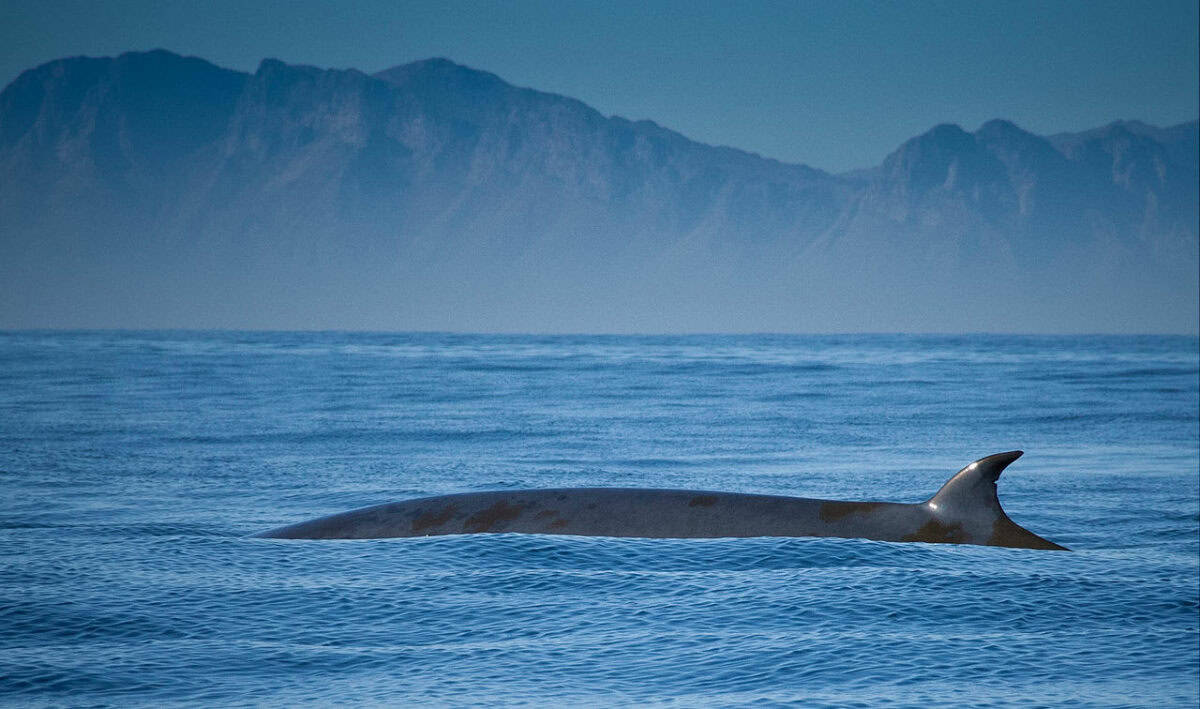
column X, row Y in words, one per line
column 153, row 190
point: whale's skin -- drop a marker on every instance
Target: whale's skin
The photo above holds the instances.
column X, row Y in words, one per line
column 965, row 510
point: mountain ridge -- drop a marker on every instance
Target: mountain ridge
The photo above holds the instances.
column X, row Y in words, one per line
column 476, row 204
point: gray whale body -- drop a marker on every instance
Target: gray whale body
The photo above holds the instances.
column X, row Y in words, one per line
column 965, row 510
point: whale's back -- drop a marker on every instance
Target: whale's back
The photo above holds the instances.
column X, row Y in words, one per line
column 965, row 511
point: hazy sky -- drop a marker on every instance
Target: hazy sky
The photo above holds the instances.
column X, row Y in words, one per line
column 836, row 85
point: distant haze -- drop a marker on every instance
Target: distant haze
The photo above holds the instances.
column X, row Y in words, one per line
column 153, row 190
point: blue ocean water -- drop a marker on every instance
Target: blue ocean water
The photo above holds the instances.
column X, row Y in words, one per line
column 135, row 465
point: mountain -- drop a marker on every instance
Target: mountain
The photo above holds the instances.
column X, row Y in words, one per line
column 153, row 190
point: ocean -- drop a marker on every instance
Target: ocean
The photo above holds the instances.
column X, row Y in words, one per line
column 135, row 466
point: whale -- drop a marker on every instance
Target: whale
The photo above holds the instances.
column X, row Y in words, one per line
column 966, row 510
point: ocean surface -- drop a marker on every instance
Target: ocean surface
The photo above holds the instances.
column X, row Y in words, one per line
column 135, row 466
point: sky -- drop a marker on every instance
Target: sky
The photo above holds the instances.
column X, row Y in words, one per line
column 835, row 85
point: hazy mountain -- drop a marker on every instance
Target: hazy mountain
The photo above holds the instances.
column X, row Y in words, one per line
column 155, row 190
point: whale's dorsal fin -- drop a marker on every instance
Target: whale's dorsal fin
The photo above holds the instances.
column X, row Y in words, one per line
column 971, row 493
column 973, row 489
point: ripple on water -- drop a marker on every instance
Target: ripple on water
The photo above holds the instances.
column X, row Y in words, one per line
column 135, row 466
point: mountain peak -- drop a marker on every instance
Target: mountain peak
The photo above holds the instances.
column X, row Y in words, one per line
column 945, row 133
column 999, row 127
column 273, row 67
column 156, row 54
column 443, row 71
column 269, row 64
column 431, row 64
column 1012, row 143
column 925, row 159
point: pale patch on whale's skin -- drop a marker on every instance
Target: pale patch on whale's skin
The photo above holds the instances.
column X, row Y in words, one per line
column 964, row 511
